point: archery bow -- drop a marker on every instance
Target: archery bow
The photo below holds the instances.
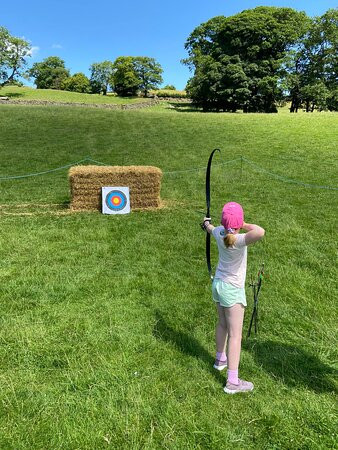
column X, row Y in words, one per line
column 207, row 197
column 256, row 287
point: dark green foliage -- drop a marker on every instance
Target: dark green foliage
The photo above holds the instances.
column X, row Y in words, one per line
column 95, row 87
column 332, row 100
column 101, row 77
column 311, row 68
column 237, row 60
column 321, row 49
column 50, row 73
column 314, row 94
column 13, row 55
column 169, row 87
column 220, row 85
column 77, row 83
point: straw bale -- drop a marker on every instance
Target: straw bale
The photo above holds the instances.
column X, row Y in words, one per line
column 144, row 184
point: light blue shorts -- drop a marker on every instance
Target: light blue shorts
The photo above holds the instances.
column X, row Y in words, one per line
column 226, row 294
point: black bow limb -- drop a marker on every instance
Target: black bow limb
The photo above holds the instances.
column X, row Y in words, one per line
column 207, row 198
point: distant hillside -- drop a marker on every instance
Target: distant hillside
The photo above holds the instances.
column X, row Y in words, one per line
column 27, row 93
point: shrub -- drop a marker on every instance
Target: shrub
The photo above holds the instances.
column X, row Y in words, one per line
column 101, row 77
column 77, row 83
column 170, row 94
column 332, row 100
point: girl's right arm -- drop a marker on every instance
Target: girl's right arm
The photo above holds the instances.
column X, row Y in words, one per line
column 254, row 233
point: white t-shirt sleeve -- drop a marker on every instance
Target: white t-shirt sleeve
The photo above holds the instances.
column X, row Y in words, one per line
column 240, row 241
column 216, row 232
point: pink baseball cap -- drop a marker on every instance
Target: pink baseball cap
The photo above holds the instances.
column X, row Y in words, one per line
column 232, row 215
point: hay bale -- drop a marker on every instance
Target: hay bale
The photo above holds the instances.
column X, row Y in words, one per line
column 86, row 182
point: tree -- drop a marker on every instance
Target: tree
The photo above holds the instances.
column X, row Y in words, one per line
column 125, row 79
column 311, row 68
column 101, row 76
column 136, row 73
column 13, row 54
column 320, row 49
column 50, row 73
column 220, row 85
column 77, row 83
column 169, row 87
column 237, row 60
column 148, row 72
column 291, row 78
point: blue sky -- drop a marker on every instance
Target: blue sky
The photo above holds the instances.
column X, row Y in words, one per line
column 83, row 32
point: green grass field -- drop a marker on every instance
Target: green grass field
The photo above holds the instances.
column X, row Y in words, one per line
column 52, row 95
column 107, row 324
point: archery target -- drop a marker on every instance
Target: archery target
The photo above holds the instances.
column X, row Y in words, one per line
column 115, row 200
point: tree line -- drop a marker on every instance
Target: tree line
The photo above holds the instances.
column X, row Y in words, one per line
column 126, row 76
column 253, row 61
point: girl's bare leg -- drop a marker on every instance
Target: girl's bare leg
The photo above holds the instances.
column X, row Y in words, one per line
column 234, row 323
column 221, row 330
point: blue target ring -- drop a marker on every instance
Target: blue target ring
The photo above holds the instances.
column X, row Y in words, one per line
column 116, row 200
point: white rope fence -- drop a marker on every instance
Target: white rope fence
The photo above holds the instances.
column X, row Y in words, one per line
column 250, row 163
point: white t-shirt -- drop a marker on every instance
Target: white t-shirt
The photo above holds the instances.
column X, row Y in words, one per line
column 231, row 266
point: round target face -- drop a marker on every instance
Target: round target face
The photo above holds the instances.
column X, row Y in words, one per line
column 116, row 200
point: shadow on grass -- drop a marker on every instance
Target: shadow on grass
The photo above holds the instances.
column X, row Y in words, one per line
column 292, row 365
column 14, row 94
column 65, row 204
column 184, row 107
column 190, row 107
column 289, row 364
column 185, row 344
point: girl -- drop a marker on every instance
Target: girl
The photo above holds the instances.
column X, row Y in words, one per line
column 228, row 289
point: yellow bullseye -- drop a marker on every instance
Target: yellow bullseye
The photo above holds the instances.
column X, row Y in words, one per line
column 116, row 200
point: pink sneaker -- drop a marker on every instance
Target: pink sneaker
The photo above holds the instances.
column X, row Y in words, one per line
column 242, row 386
column 220, row 365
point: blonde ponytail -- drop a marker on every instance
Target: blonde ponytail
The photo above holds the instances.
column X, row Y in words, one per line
column 229, row 240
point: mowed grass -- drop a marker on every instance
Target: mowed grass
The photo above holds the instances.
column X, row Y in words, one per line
column 107, row 324
column 53, row 95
